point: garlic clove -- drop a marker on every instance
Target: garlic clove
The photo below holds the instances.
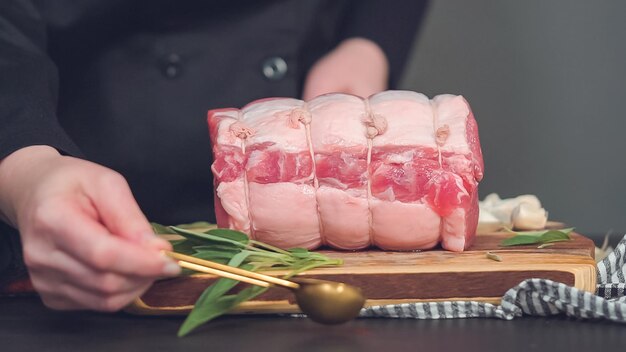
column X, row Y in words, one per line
column 529, row 216
column 491, row 200
column 486, row 216
column 487, row 222
column 528, row 199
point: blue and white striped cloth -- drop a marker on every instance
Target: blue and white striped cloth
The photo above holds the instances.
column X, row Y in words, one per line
column 533, row 297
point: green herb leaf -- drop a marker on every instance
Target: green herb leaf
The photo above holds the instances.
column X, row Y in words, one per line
column 300, row 252
column 209, row 306
column 537, row 237
column 183, row 246
column 493, row 256
column 227, row 247
column 266, row 246
column 229, row 234
column 235, row 249
column 219, row 306
column 206, row 237
column 161, row 230
column 198, row 225
column 215, row 256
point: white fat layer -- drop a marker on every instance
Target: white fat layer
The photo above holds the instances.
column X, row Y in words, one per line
column 400, row 158
column 453, row 111
column 225, row 120
column 233, row 199
column 337, row 123
column 454, row 231
column 409, row 119
column 269, row 121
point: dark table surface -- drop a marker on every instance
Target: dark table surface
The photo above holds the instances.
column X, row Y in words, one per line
column 26, row 325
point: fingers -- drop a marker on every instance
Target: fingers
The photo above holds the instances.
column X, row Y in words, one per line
column 85, row 239
column 105, row 252
column 85, row 267
column 356, row 66
column 318, row 84
column 119, row 212
column 62, row 268
column 64, row 296
column 64, row 283
column 75, row 263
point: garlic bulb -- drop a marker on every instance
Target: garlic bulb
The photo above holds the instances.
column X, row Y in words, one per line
column 523, row 212
column 529, row 216
column 487, row 222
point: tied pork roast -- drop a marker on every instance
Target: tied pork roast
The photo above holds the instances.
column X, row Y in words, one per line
column 397, row 171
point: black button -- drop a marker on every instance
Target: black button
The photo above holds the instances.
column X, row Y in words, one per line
column 171, row 66
column 274, row 68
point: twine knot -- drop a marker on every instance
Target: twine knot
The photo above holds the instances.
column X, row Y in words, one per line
column 240, row 130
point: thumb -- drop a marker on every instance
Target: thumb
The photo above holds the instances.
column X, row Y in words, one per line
column 319, row 82
column 119, row 212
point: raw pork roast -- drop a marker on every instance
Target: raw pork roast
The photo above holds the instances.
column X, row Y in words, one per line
column 397, row 171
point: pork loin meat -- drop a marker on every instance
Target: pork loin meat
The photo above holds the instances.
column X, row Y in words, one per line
column 397, row 171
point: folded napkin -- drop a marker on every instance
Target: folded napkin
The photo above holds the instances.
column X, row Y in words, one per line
column 533, row 297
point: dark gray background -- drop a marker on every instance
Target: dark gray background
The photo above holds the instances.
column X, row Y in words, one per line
column 546, row 81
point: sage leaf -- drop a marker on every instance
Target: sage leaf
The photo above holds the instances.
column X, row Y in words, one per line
column 493, row 256
column 198, row 225
column 537, row 237
column 205, row 236
column 208, row 306
column 215, row 256
column 300, row 252
column 161, row 230
column 265, row 246
column 183, row 246
column 227, row 247
column 234, row 248
column 217, row 308
column 229, row 234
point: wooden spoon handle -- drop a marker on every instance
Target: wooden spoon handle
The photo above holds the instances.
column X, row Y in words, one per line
column 207, row 266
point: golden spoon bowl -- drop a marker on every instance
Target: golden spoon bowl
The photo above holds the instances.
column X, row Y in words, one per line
column 328, row 302
column 325, row 302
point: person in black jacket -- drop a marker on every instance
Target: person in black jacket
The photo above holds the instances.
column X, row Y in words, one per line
column 90, row 87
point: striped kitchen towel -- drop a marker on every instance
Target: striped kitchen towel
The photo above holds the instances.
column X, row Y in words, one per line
column 533, row 297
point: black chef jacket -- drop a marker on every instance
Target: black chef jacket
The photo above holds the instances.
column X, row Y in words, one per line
column 127, row 83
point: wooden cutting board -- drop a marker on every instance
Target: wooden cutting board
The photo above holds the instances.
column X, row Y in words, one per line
column 398, row 277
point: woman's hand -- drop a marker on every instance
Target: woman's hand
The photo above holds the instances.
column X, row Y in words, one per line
column 86, row 243
column 356, row 66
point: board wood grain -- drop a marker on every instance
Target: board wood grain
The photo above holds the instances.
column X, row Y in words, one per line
column 399, row 277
